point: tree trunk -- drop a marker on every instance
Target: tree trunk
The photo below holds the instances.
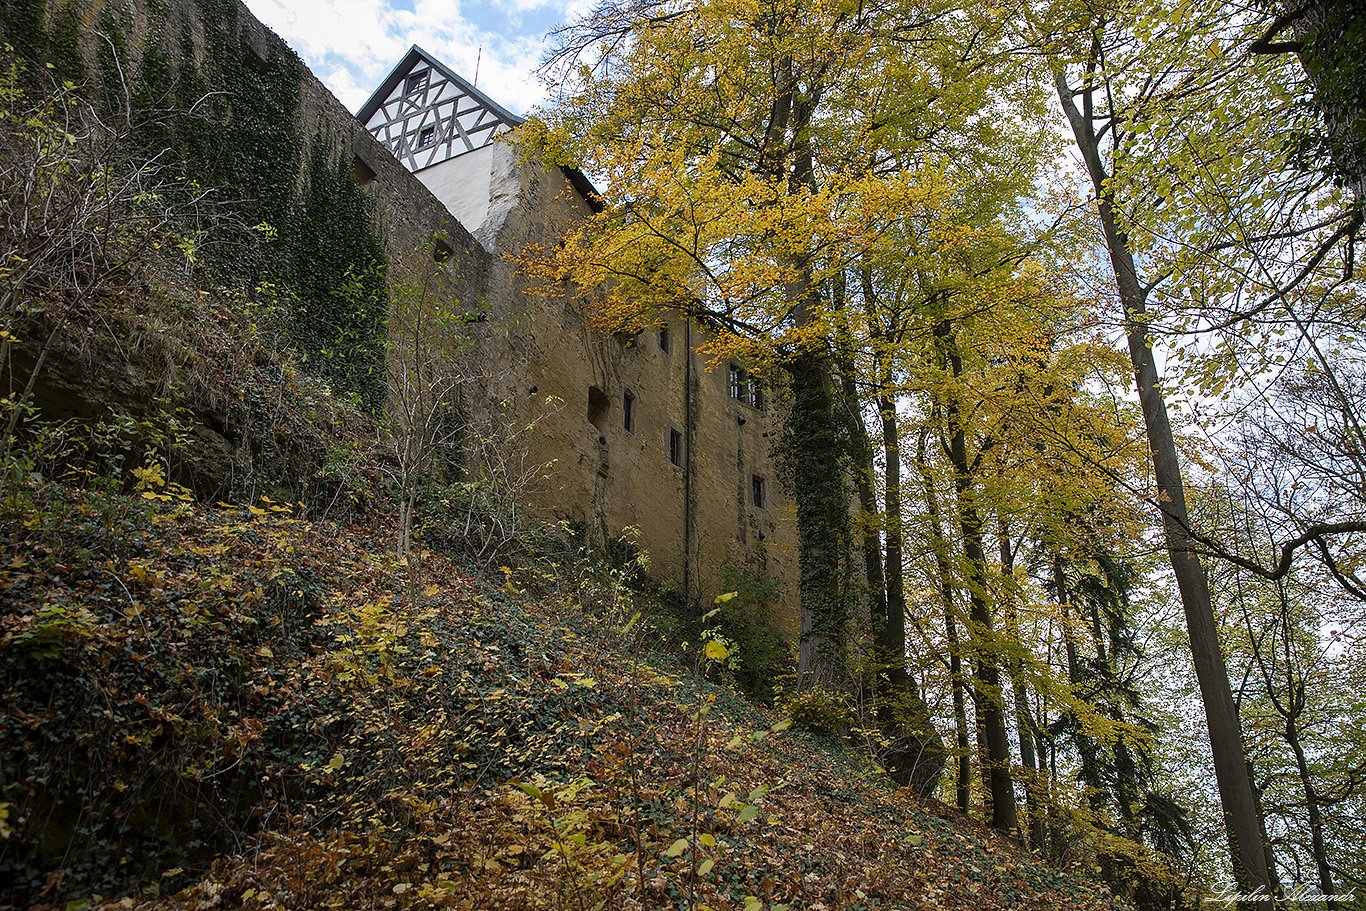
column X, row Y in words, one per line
column 939, row 544
column 916, row 754
column 812, row 435
column 893, row 633
column 861, row 454
column 1311, row 803
column 1242, row 821
column 986, row 674
column 822, row 523
column 1331, row 53
column 1020, row 690
column 870, row 520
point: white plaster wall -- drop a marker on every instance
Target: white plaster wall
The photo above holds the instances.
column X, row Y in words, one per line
column 480, row 188
column 463, row 183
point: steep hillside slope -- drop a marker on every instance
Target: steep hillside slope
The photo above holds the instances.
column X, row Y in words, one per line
column 235, row 706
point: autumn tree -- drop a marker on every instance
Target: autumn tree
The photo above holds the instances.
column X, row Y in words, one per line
column 733, row 136
column 1119, row 72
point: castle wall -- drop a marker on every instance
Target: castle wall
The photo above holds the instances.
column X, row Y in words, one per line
column 537, row 354
column 613, row 477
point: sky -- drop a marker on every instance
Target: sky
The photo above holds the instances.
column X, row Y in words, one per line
column 351, row 45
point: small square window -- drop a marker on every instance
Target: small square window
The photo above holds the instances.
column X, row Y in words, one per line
column 426, row 138
column 758, row 492
column 362, row 172
column 666, row 342
column 416, row 82
column 675, row 447
column 628, row 410
column 739, row 389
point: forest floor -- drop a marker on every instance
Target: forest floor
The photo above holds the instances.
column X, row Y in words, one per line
column 234, row 706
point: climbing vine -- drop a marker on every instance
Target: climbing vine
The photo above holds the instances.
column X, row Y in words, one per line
column 289, row 213
column 809, row 456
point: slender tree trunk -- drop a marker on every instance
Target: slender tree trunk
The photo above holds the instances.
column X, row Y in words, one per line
column 861, row 457
column 986, row 674
column 1242, row 821
column 870, row 520
column 1311, row 803
column 962, row 783
column 917, row 755
column 1090, row 772
column 894, row 627
column 939, row 544
column 1020, row 690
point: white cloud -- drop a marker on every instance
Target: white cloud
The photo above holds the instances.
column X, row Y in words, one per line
column 352, row 44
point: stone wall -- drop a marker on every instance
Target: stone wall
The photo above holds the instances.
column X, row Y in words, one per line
column 541, row 360
column 691, row 517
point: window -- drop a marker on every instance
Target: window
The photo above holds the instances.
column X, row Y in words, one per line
column 362, row 172
column 441, row 251
column 675, row 447
column 666, row 343
column 416, row 82
column 739, row 389
column 758, row 492
column 598, row 406
column 628, row 411
column 257, row 58
column 757, row 398
column 426, row 138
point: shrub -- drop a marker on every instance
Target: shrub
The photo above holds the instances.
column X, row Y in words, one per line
column 817, row 709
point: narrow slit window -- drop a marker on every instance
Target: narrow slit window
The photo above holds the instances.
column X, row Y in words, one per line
column 675, row 447
column 758, row 492
column 628, row 412
column 666, row 341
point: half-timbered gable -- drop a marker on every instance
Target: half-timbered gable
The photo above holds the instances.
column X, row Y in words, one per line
column 427, row 114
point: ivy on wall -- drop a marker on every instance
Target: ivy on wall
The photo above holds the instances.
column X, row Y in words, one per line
column 52, row 39
column 338, row 278
column 235, row 127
